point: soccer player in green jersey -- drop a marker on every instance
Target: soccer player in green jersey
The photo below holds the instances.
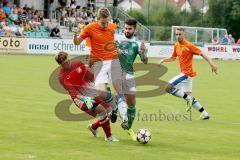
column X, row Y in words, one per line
column 129, row 47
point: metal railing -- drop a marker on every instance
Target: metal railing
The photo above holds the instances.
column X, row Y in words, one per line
column 143, row 33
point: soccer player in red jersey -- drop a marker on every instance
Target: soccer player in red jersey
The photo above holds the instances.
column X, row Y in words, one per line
column 77, row 80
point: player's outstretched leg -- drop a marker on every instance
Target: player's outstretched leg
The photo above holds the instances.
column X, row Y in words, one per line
column 105, row 124
column 196, row 105
column 191, row 101
column 93, row 128
column 178, row 93
column 131, row 113
column 110, row 101
column 127, row 125
column 122, row 107
column 107, row 130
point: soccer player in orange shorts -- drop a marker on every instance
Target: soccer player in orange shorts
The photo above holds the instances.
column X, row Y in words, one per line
column 181, row 85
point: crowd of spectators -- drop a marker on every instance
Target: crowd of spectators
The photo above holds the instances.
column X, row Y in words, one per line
column 73, row 15
column 227, row 39
column 15, row 20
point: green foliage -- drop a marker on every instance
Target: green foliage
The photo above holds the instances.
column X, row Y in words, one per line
column 138, row 15
column 194, row 18
column 166, row 17
column 225, row 14
column 221, row 14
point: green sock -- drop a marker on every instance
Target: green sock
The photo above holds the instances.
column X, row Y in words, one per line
column 131, row 112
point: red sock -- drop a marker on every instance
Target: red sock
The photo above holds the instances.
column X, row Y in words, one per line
column 96, row 124
column 106, row 126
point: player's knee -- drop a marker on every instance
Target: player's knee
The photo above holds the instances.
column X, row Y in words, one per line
column 168, row 87
column 108, row 98
column 102, row 112
column 103, row 95
column 131, row 101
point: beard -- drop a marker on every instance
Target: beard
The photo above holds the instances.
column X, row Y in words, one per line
column 179, row 39
column 129, row 35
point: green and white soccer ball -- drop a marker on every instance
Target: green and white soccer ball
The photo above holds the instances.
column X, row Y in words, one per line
column 143, row 136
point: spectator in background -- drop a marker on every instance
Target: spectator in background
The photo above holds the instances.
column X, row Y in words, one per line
column 2, row 32
column 26, row 7
column 35, row 27
column 238, row 42
column 119, row 30
column 29, row 14
column 35, row 17
column 21, row 15
column 14, row 16
column 32, row 9
column 225, row 40
column 48, row 25
column 73, row 5
column 90, row 18
column 7, row 29
column 215, row 40
column 7, row 9
column 14, row 7
column 40, row 17
column 2, row 15
column 231, row 39
column 14, row 28
column 26, row 26
column 55, row 32
column 20, row 30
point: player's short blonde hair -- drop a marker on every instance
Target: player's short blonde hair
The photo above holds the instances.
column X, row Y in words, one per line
column 61, row 57
column 103, row 12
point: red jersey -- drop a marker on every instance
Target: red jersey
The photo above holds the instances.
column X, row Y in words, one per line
column 76, row 79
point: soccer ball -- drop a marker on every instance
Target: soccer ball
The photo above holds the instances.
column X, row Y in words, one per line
column 143, row 136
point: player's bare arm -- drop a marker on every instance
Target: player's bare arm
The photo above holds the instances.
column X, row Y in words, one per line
column 213, row 66
column 169, row 59
column 144, row 58
column 76, row 39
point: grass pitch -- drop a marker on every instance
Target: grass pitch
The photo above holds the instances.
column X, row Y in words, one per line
column 30, row 130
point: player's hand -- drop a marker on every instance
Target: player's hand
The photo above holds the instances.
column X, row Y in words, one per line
column 214, row 68
column 142, row 47
column 160, row 62
column 76, row 32
column 89, row 102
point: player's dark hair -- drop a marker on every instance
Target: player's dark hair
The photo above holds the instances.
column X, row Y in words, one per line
column 131, row 22
column 180, row 29
column 61, row 57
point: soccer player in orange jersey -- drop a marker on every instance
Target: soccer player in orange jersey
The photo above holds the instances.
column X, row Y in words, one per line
column 104, row 60
column 181, row 85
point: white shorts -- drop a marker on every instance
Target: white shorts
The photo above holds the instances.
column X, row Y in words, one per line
column 107, row 71
column 129, row 85
column 182, row 81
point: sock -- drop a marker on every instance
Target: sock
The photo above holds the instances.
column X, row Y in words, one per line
column 96, row 124
column 131, row 112
column 106, row 126
column 122, row 107
column 179, row 93
column 110, row 101
column 196, row 105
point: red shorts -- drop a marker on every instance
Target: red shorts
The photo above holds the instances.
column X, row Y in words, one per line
column 92, row 111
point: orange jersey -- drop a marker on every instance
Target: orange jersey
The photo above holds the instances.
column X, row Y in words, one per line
column 185, row 51
column 88, row 42
column 102, row 41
